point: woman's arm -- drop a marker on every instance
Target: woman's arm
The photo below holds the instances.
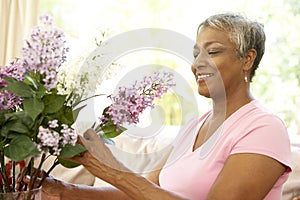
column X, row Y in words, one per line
column 54, row 189
column 246, row 176
column 82, row 192
column 100, row 162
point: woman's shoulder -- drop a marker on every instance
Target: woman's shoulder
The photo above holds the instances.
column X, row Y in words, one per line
column 255, row 113
column 263, row 132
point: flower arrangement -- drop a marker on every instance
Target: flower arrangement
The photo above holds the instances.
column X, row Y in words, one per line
column 36, row 115
column 35, row 119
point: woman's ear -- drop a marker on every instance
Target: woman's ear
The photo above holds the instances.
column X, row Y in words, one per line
column 249, row 59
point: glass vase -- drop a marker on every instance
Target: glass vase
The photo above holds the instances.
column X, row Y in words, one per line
column 35, row 194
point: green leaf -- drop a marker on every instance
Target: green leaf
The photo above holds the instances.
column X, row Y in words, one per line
column 33, row 79
column 20, row 148
column 69, row 151
column 3, row 131
column 78, row 101
column 2, row 144
column 17, row 122
column 2, row 116
column 76, row 111
column 53, row 102
column 17, row 126
column 14, row 115
column 104, row 112
column 68, row 115
column 64, row 115
column 28, row 121
column 30, row 80
column 109, row 130
column 67, row 163
column 18, row 87
column 33, row 107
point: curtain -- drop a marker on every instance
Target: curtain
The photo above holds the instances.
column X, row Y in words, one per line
column 16, row 19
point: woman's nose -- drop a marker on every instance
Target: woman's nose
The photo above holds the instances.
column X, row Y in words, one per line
column 201, row 61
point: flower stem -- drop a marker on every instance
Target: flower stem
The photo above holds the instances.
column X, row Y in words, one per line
column 4, row 177
column 38, row 170
column 30, row 172
column 48, row 172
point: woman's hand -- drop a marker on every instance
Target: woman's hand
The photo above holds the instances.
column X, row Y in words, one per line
column 52, row 188
column 98, row 159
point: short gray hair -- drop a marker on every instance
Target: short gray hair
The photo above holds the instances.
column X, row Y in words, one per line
column 245, row 33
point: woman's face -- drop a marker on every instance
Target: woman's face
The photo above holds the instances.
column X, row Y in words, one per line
column 216, row 62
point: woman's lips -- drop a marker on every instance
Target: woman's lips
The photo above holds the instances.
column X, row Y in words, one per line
column 203, row 76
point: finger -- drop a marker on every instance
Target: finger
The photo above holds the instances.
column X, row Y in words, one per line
column 79, row 140
column 86, row 137
column 83, row 158
column 90, row 135
column 91, row 140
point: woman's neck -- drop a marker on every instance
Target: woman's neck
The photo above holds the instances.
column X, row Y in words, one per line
column 224, row 107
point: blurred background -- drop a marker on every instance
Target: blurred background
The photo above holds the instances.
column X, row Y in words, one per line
column 89, row 22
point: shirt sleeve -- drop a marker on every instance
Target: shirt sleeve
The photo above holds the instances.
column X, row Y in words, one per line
column 266, row 135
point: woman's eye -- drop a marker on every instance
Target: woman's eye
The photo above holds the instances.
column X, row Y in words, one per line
column 213, row 52
column 195, row 54
column 209, row 52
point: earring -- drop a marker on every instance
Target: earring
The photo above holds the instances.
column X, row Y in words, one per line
column 245, row 77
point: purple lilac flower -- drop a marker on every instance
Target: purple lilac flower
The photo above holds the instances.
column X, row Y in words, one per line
column 129, row 102
column 48, row 138
column 16, row 70
column 53, row 123
column 69, row 135
column 51, row 139
column 45, row 50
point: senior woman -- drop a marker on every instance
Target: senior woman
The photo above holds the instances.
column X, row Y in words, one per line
column 238, row 150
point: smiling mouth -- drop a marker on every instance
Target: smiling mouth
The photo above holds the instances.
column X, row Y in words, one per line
column 204, row 76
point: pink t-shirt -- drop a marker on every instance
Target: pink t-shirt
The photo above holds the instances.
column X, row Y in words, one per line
column 251, row 129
